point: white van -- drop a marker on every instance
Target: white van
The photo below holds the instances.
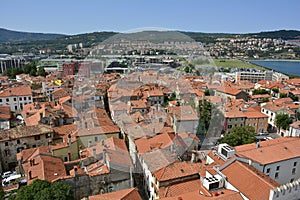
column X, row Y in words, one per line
column 11, row 180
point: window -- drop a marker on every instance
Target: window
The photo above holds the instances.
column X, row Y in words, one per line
column 25, row 98
column 6, row 144
column 65, row 158
column 20, row 98
column 34, row 145
column 96, row 138
column 6, row 152
column 15, row 99
column 18, row 142
column 0, row 100
column 268, row 171
column 37, row 137
column 293, row 171
column 295, row 164
column 7, row 99
column 291, row 180
column 48, row 135
column 20, row 149
column 277, row 168
column 276, row 175
column 16, row 107
column 29, row 98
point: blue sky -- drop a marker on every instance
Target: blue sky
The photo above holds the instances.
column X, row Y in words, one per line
column 72, row 17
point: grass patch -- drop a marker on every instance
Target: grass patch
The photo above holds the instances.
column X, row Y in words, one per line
column 235, row 63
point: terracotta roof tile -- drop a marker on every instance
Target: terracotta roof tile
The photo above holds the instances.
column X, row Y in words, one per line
column 177, row 170
column 271, row 151
column 44, row 167
column 252, row 184
column 127, row 194
column 16, row 91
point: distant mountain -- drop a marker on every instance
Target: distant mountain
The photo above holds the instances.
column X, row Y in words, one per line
column 283, row 34
column 11, row 36
column 13, row 41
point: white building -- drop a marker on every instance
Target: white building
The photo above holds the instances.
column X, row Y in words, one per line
column 271, row 110
column 16, row 97
column 278, row 158
column 294, row 130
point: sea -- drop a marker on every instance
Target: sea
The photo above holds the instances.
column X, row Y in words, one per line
column 288, row 67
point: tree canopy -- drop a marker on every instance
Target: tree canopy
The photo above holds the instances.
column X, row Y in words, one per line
column 239, row 135
column 260, row 91
column 44, row 190
column 210, row 120
column 283, row 121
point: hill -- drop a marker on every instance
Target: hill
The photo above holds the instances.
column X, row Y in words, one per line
column 13, row 41
column 10, row 36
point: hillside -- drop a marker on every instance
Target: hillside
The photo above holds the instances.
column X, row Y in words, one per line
column 11, row 36
column 13, row 41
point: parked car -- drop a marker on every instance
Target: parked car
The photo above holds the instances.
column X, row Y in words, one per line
column 11, row 180
column 263, row 133
column 8, row 174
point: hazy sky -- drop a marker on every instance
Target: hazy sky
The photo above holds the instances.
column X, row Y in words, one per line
column 79, row 16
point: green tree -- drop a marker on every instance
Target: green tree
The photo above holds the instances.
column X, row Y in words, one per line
column 276, row 90
column 239, row 135
column 283, row 121
column 264, row 100
column 1, row 193
column 282, row 95
column 210, row 120
column 260, row 91
column 44, row 190
column 32, row 72
column 41, row 71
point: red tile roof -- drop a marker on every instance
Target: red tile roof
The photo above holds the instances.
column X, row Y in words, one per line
column 44, row 167
column 16, row 91
column 249, row 181
column 127, row 194
column 24, row 131
column 217, row 195
column 271, row 151
column 160, row 141
column 177, row 170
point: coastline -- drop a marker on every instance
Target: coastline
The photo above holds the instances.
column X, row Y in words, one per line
column 269, row 60
column 277, row 60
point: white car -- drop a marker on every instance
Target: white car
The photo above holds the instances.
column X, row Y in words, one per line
column 7, row 174
column 10, row 180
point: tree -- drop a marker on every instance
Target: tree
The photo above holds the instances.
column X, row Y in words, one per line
column 1, row 193
column 210, row 120
column 260, row 91
column 282, row 95
column 283, row 121
column 276, row 90
column 44, row 190
column 239, row 135
column 32, row 72
column 41, row 71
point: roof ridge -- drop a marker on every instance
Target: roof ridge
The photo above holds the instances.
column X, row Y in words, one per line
column 128, row 193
